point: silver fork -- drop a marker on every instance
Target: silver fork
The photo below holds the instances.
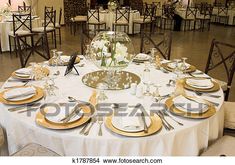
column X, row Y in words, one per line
column 207, row 94
column 163, row 118
column 166, row 114
column 93, row 120
column 100, row 122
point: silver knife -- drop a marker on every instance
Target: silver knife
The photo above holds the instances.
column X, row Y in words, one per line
column 144, row 121
column 76, row 110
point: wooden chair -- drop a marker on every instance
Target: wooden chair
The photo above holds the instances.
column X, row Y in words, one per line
column 77, row 20
column 163, row 46
column 203, row 16
column 167, row 16
column 190, row 16
column 122, row 18
column 146, row 19
column 48, row 25
column 26, row 50
column 223, row 16
column 93, row 19
column 58, row 25
column 35, row 150
column 222, row 55
column 22, row 25
column 225, row 146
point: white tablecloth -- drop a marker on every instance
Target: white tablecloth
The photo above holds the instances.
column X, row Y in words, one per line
column 189, row 139
column 109, row 18
column 6, row 27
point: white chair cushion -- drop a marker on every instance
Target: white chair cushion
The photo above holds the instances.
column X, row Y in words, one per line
column 229, row 116
column 41, row 29
column 1, row 137
column 140, row 20
column 35, row 150
column 79, row 18
column 121, row 23
column 19, row 32
column 223, row 84
column 224, row 146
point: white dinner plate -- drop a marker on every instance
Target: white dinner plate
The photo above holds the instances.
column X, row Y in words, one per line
column 199, row 86
column 20, row 98
column 190, row 106
column 117, row 123
column 142, row 57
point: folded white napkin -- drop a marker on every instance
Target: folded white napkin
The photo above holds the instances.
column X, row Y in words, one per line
column 65, row 58
column 172, row 65
column 25, row 71
column 132, row 122
column 55, row 115
column 187, row 105
column 19, row 92
column 200, row 83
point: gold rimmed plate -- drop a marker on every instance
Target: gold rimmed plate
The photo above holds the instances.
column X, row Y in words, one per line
column 190, row 69
column 64, row 63
column 39, row 95
column 42, row 121
column 171, row 107
column 215, row 87
column 155, row 126
column 24, row 77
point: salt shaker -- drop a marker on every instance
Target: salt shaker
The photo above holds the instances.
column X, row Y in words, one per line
column 133, row 88
column 139, row 92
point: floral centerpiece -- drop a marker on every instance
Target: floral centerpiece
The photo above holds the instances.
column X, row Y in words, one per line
column 112, row 50
column 112, row 5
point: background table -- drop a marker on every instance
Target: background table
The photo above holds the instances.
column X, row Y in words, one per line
column 109, row 18
column 183, row 140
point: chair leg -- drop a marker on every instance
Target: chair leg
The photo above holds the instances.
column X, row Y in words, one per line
column 15, row 47
column 60, row 35
column 10, row 44
column 133, row 28
column 55, row 38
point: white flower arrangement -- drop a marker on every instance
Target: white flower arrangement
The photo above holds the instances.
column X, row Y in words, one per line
column 109, row 52
column 6, row 9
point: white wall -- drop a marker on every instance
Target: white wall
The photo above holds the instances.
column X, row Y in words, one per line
column 57, row 4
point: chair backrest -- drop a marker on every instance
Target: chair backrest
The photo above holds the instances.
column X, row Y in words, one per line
column 49, row 18
column 93, row 15
column 222, row 11
column 22, row 21
column 60, row 16
column 149, row 11
column 168, row 10
column 222, row 55
column 26, row 49
column 163, row 46
column 190, row 12
column 24, row 8
column 48, row 9
column 204, row 10
column 122, row 15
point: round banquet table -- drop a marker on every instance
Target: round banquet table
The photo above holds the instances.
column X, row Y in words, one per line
column 187, row 140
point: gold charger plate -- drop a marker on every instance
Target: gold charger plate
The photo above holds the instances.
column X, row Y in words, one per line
column 45, row 70
column 189, row 70
column 215, row 88
column 65, row 63
column 170, row 106
column 41, row 120
column 156, row 125
column 39, row 94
